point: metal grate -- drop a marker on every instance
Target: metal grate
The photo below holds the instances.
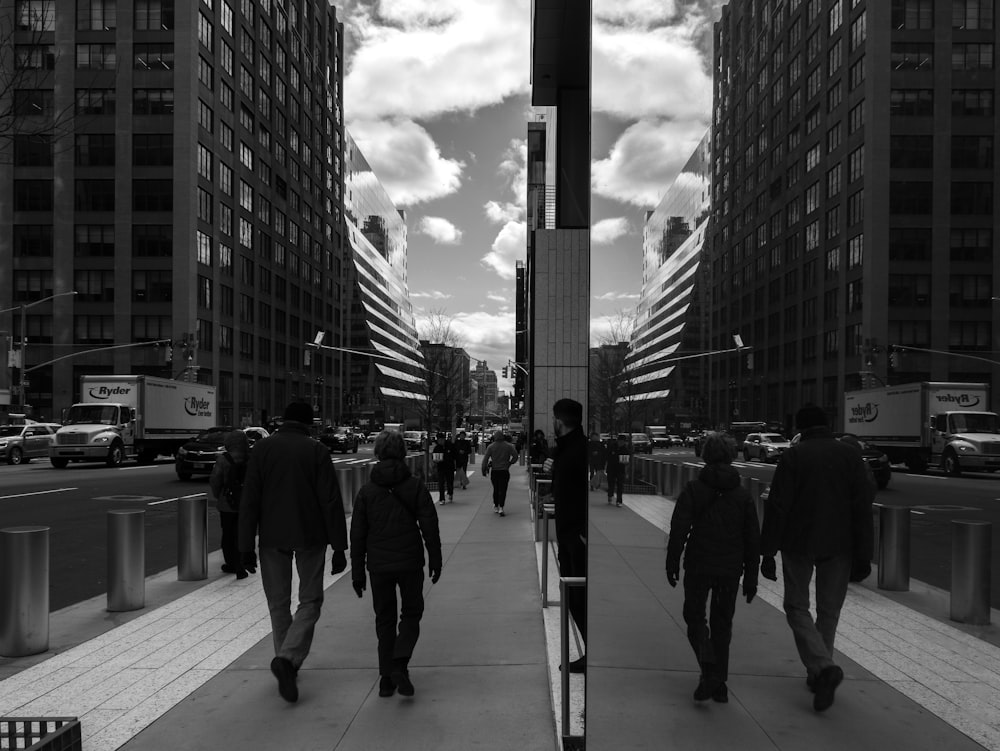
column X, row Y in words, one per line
column 40, row 734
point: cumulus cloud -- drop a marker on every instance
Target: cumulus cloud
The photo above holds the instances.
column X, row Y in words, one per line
column 607, row 231
column 645, row 160
column 407, row 161
column 484, row 335
column 458, row 56
column 612, row 296
column 510, row 246
column 440, row 230
column 433, row 294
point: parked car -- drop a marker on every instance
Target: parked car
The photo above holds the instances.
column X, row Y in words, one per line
column 198, row 456
column 414, row 440
column 340, row 439
column 19, row 444
column 641, row 443
column 766, row 447
column 675, row 440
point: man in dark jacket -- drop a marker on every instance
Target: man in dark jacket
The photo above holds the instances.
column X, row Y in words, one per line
column 568, row 465
column 463, row 451
column 443, row 454
column 819, row 515
column 597, row 455
column 292, row 500
column 616, row 465
column 716, row 521
column 392, row 513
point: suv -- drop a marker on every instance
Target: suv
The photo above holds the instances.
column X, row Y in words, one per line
column 766, row 447
column 19, row 444
column 876, row 460
column 414, row 440
column 198, row 456
column 641, row 443
column 340, row 439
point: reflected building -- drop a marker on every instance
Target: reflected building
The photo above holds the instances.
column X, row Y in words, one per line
column 386, row 384
column 670, row 317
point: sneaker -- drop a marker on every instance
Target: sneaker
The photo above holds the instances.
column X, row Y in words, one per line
column 402, row 680
column 619, row 503
column 609, row 500
column 441, row 502
column 242, row 574
column 500, row 512
column 704, row 691
column 721, row 694
column 450, row 499
column 496, row 509
column 385, row 686
column 826, row 685
column 285, row 672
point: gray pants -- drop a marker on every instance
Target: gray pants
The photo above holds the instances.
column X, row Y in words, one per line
column 814, row 639
column 293, row 635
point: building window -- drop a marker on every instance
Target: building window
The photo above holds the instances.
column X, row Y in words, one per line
column 151, row 328
column 96, row 57
column 204, row 161
column 225, row 259
column 970, row 291
column 203, row 330
column 911, row 102
column 33, row 240
column 94, row 240
column 856, row 74
column 912, row 56
column 96, row 15
column 855, row 295
column 153, row 102
column 32, row 285
column 912, row 333
column 909, row 243
column 911, row 197
column 972, row 14
column 33, row 150
column 856, row 117
column 152, row 195
column 204, row 292
column 855, row 252
column 225, row 299
column 152, row 286
column 93, row 329
column 859, row 30
column 971, row 244
column 225, row 178
column 154, row 15
column 856, row 164
column 912, row 14
column 972, row 102
column 206, row 34
column 856, row 208
column 971, row 56
column 35, row 57
column 225, row 339
column 95, row 101
column 33, row 195
column 153, row 56
column 152, row 240
column 908, row 290
column 206, row 118
column 36, row 15
column 969, row 335
column 972, row 152
column 205, row 205
column 152, row 149
column 203, row 248
column 971, row 198
column 911, row 152
column 206, row 75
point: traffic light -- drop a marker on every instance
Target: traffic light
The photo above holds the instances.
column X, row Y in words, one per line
column 504, row 371
column 168, row 353
column 893, row 358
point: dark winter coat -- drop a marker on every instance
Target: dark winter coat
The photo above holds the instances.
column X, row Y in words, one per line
column 716, row 522
column 393, row 519
column 447, row 450
column 613, row 466
column 291, row 496
column 571, row 483
column 230, row 470
column 539, row 450
column 597, row 454
column 820, row 503
column 463, row 450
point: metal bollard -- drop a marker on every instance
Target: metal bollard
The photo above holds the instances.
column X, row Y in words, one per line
column 663, row 479
column 345, row 479
column 548, row 512
column 746, row 482
column 971, row 558
column 126, row 560
column 362, row 473
column 542, row 488
column 565, row 583
column 192, row 539
column 24, row 591
column 894, row 548
column 675, row 480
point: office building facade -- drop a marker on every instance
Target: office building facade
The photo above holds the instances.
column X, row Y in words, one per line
column 854, row 199
column 180, row 170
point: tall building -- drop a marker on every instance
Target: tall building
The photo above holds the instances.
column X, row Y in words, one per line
column 854, row 199
column 485, row 391
column 177, row 165
column 385, row 370
column 671, row 316
column 449, row 383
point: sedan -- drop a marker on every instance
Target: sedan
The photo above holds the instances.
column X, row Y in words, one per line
column 341, row 439
column 766, row 447
column 198, row 456
column 641, row 443
column 19, row 444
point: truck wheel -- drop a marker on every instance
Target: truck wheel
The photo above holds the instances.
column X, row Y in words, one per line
column 16, row 456
column 59, row 463
column 116, row 455
column 950, row 464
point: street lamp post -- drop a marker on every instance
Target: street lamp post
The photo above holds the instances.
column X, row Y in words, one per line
column 24, row 341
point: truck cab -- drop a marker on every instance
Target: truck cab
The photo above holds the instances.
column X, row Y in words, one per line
column 966, row 440
column 94, row 432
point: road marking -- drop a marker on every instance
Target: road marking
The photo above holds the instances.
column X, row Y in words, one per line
column 38, row 492
column 133, row 498
column 141, row 466
column 178, row 498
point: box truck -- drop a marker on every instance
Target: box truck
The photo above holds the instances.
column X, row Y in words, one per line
column 923, row 424
column 124, row 416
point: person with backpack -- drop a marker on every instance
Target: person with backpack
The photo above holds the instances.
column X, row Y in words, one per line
column 393, row 521
column 715, row 520
column 226, row 482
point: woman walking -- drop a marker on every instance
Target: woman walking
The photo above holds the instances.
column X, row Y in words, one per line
column 226, row 483
column 715, row 520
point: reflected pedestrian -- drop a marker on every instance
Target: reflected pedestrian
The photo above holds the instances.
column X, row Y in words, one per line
column 226, row 481
column 618, row 459
column 597, row 455
column 715, row 524
column 539, row 450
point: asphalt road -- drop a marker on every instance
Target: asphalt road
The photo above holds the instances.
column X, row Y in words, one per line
column 935, row 500
column 74, row 502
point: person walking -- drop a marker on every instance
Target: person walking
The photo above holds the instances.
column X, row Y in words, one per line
column 291, row 499
column 597, row 455
column 618, row 458
column 392, row 521
column 443, row 454
column 819, row 515
column 568, row 465
column 497, row 460
column 226, row 482
column 715, row 525
column 538, row 451
column 463, row 450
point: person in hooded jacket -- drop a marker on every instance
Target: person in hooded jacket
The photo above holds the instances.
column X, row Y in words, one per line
column 715, row 520
column 226, row 482
column 393, row 521
column 445, row 458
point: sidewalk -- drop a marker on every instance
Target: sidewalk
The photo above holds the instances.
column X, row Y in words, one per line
column 194, row 672
column 912, row 682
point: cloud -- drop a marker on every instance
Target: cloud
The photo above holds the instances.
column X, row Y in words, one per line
column 645, row 160
column 458, row 56
column 407, row 161
column 607, row 231
column 510, row 246
column 440, row 230
column 430, row 295
column 485, row 336
column 611, row 296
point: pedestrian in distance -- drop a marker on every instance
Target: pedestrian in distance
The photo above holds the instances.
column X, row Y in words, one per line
column 819, row 515
column 226, row 482
column 497, row 460
column 597, row 455
column 463, row 451
column 538, row 451
column 715, row 525
column 568, row 466
column 392, row 522
column 291, row 499
column 616, row 465
column 444, row 457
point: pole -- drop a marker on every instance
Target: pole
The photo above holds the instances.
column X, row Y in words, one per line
column 24, row 362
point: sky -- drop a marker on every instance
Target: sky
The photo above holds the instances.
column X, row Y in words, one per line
column 437, row 97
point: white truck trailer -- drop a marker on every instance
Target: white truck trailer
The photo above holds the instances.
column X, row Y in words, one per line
column 928, row 424
column 123, row 416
